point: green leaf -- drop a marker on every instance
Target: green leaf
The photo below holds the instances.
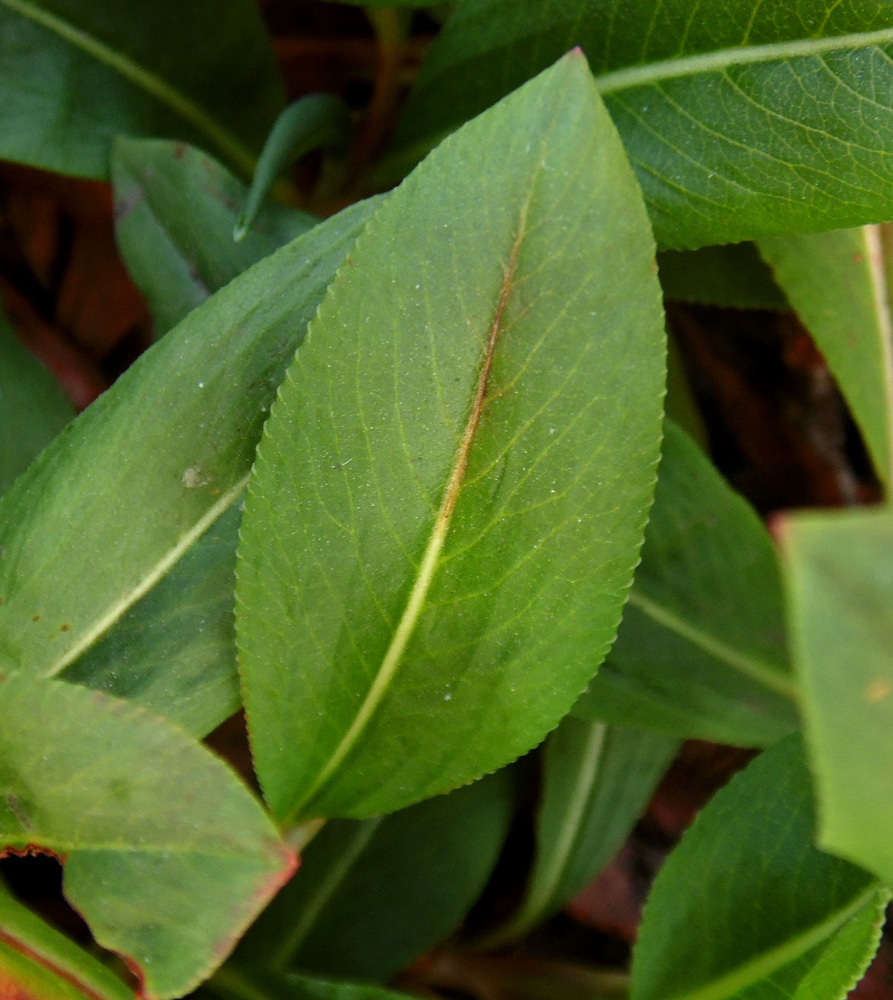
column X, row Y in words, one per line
column 839, row 593
column 74, row 73
column 373, row 895
column 742, row 118
column 179, row 427
column 264, row 984
column 747, row 908
column 174, row 651
column 462, row 460
column 33, row 408
column 175, row 209
column 37, row 961
column 840, row 284
column 597, row 781
column 702, row 649
column 168, row 880
column 318, row 121
column 731, row 276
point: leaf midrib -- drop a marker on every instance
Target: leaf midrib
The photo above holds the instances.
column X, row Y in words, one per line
column 724, row 59
column 430, row 559
column 227, row 143
column 758, row 968
column 148, row 580
column 750, row 667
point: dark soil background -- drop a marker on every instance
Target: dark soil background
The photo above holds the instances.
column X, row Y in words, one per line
column 777, row 428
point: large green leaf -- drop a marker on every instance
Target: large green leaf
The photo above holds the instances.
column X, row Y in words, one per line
column 840, row 284
column 33, row 408
column 124, row 492
column 175, row 209
column 840, row 592
column 742, row 118
column 372, row 895
column 167, row 854
column 747, row 908
column 597, row 780
column 701, row 650
column 75, row 73
column 38, row 962
column 450, row 494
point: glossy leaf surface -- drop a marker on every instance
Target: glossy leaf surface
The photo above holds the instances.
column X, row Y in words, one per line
column 732, row 276
column 33, row 408
column 175, row 209
column 372, row 895
column 75, row 73
column 180, row 427
column 597, row 780
column 702, row 649
column 840, row 283
column 839, row 589
column 449, row 497
column 742, row 118
column 747, row 908
column 90, row 779
column 39, row 963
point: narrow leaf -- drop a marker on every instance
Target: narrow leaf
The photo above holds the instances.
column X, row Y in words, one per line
column 597, row 780
column 702, row 649
column 747, row 908
column 731, row 276
column 33, row 408
column 314, row 122
column 839, row 593
column 373, row 895
column 461, row 459
column 75, row 73
column 38, row 962
column 840, row 285
column 741, row 119
column 180, row 427
column 175, row 209
column 168, row 880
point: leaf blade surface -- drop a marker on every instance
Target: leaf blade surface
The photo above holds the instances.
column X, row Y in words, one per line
column 747, row 908
column 741, row 119
column 469, row 440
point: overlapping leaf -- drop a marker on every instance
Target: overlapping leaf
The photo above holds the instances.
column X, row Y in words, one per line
column 741, row 119
column 167, row 855
column 702, row 647
column 175, row 209
column 75, row 73
column 449, row 497
column 180, row 427
column 840, row 589
column 747, row 908
column 37, row 961
column 597, row 780
column 840, row 284
column 373, row 895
